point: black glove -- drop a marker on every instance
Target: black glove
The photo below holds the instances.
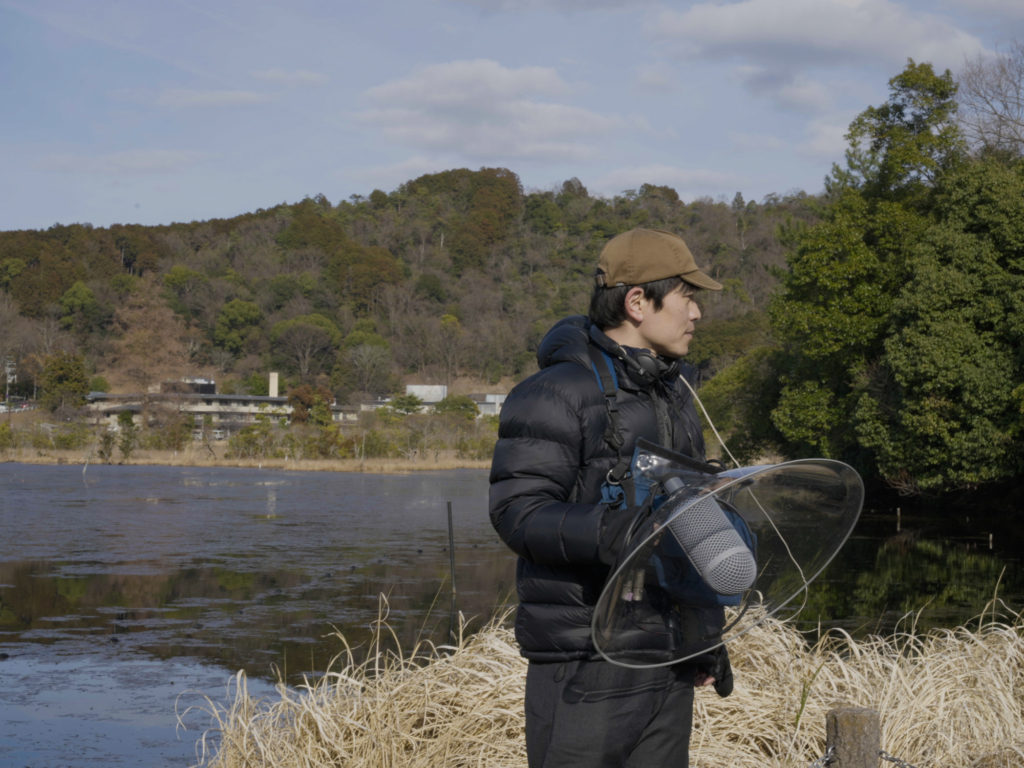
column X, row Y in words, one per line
column 614, row 526
column 721, row 670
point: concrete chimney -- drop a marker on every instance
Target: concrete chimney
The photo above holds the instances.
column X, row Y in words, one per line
column 272, row 387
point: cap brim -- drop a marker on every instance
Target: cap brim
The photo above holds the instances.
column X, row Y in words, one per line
column 701, row 280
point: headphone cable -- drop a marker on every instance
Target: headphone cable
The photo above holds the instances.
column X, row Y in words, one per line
column 707, row 417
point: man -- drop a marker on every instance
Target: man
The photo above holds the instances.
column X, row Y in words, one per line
column 559, row 440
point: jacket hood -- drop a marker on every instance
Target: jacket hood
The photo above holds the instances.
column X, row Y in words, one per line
column 567, row 342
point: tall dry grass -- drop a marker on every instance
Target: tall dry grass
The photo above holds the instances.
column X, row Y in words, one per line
column 197, row 456
column 946, row 698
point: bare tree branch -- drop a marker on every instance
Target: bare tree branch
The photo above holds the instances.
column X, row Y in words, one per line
column 991, row 99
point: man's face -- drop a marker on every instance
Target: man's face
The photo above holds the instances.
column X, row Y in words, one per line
column 668, row 330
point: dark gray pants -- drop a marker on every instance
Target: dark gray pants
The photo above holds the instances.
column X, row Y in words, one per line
column 594, row 714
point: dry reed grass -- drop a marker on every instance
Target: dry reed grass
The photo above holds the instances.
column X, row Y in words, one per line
column 949, row 697
column 946, row 698
column 195, row 456
column 448, row 705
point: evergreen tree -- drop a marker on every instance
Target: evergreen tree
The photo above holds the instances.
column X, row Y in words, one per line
column 900, row 342
column 64, row 382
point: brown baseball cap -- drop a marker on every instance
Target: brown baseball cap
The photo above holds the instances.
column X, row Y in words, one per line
column 644, row 255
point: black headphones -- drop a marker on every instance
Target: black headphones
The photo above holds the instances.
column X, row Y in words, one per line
column 646, row 367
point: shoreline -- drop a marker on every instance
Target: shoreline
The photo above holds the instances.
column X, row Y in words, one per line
column 191, row 457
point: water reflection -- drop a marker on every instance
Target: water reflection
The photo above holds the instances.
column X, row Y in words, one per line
column 243, row 618
column 943, row 570
column 249, row 570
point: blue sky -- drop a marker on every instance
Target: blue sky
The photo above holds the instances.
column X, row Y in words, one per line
column 137, row 111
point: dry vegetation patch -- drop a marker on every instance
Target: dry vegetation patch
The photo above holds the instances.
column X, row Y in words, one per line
column 950, row 698
column 194, row 455
column 455, row 705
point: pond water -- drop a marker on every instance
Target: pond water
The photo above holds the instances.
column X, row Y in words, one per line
column 127, row 591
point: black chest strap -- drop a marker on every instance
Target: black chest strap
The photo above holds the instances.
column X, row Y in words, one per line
column 608, row 381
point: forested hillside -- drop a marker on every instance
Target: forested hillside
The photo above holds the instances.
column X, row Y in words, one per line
column 452, row 276
column 881, row 323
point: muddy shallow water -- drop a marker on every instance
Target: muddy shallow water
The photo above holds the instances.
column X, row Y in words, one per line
column 129, row 592
column 123, row 587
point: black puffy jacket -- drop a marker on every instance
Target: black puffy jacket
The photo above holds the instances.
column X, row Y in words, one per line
column 549, row 464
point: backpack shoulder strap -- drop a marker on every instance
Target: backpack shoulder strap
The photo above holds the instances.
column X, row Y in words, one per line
column 608, row 382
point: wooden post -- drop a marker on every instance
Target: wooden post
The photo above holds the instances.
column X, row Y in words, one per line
column 451, row 561
column 855, row 735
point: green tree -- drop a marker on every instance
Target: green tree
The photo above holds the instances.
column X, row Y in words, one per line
column 128, row 434
column 80, row 311
column 541, row 213
column 741, row 398
column 105, row 446
column 405, row 404
column 942, row 407
column 365, row 273
column 186, row 288
column 459, row 406
column 237, row 322
column 897, row 149
column 832, row 316
column 255, row 441
column 7, row 439
column 64, row 382
column 495, row 204
column 430, row 287
column 450, row 348
column 900, row 340
column 10, row 269
column 256, row 383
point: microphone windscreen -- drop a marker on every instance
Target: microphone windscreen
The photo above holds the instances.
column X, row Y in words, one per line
column 714, row 546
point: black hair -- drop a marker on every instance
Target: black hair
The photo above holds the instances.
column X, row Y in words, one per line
column 608, row 305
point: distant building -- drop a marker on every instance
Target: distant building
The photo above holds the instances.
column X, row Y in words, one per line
column 190, row 384
column 225, row 415
column 430, row 394
column 489, row 404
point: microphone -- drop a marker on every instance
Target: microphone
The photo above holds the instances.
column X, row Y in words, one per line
column 711, row 543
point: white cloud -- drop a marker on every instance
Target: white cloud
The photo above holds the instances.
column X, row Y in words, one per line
column 468, row 81
column 1010, row 10
column 659, row 76
column 556, row 5
column 291, row 77
column 795, row 52
column 826, row 139
column 183, row 98
column 790, row 91
column 480, row 108
column 128, row 162
column 782, row 49
column 756, row 142
column 822, row 32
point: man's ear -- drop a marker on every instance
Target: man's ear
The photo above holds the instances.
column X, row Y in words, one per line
column 635, row 304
